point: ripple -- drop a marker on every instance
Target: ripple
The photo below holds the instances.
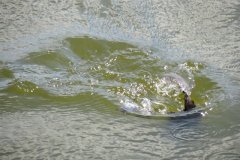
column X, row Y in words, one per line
column 190, row 132
column 25, row 87
column 113, row 69
column 86, row 78
column 223, row 155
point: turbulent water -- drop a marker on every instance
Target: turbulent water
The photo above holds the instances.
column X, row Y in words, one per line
column 88, row 79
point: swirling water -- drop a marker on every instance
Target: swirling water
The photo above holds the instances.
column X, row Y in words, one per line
column 103, row 79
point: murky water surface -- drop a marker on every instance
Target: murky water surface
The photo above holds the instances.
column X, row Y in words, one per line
column 104, row 79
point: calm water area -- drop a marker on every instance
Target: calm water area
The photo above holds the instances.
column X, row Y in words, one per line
column 103, row 79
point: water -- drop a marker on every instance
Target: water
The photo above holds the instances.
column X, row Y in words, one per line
column 103, row 79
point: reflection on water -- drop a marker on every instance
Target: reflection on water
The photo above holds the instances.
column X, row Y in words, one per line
column 68, row 69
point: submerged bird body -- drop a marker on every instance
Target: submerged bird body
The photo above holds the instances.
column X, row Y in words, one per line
column 188, row 103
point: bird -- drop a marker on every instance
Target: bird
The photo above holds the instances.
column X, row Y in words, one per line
column 188, row 103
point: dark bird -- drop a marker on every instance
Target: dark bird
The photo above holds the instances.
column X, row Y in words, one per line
column 188, row 103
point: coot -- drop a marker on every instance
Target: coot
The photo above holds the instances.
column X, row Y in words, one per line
column 188, row 103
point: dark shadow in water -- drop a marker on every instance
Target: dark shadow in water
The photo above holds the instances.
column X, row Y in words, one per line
column 193, row 114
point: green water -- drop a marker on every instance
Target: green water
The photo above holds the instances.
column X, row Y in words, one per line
column 74, row 98
column 115, row 70
column 104, row 80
